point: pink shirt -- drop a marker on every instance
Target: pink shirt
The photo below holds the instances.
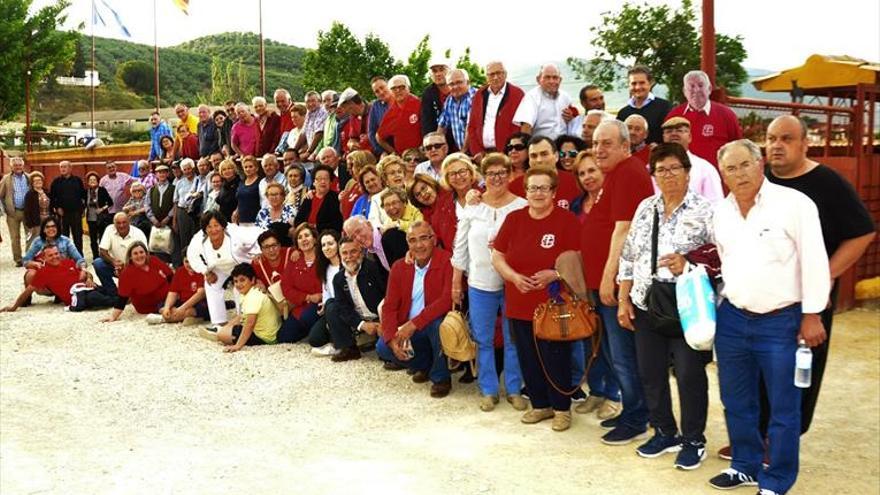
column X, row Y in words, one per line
column 245, row 137
column 117, row 188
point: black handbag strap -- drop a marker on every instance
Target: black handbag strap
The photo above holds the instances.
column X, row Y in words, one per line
column 655, row 233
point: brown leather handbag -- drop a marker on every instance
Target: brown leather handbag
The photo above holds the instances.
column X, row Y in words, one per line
column 566, row 318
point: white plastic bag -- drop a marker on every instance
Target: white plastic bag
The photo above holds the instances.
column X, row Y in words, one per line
column 160, row 240
column 696, row 308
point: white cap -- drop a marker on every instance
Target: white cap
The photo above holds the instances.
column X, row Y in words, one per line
column 438, row 60
column 346, row 95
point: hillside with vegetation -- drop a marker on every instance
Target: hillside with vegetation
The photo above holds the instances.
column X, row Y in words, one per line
column 186, row 73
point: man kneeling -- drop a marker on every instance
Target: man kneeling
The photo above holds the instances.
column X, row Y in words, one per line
column 419, row 296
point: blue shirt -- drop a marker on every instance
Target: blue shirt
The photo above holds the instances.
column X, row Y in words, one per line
column 19, row 190
column 418, row 290
column 156, row 134
column 65, row 247
column 377, row 111
column 455, row 115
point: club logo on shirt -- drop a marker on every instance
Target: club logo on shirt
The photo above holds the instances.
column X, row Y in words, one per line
column 563, row 203
column 548, row 241
column 708, row 130
column 413, row 118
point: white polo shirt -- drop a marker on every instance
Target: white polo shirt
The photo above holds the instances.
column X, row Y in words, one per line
column 117, row 245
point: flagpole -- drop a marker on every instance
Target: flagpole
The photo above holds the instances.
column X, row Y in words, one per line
column 92, row 75
column 262, row 53
column 156, row 52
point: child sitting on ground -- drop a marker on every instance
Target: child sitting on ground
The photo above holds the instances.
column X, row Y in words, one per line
column 185, row 299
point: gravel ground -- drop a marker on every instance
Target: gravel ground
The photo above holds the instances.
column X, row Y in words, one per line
column 94, row 408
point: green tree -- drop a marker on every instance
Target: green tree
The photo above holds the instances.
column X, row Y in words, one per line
column 229, row 81
column 664, row 40
column 475, row 71
column 136, row 75
column 416, row 67
column 342, row 60
column 32, row 49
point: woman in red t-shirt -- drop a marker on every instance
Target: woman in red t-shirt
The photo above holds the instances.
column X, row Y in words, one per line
column 525, row 253
column 185, row 299
column 300, row 284
column 144, row 281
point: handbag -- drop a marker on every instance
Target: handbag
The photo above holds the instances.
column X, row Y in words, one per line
column 160, row 240
column 455, row 338
column 276, row 295
column 565, row 317
column 660, row 297
column 571, row 319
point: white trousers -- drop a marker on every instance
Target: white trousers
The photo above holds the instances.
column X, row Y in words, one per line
column 215, row 295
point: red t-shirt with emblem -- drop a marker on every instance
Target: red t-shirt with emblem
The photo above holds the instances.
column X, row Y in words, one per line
column 185, row 283
column 624, row 188
column 709, row 132
column 146, row 289
column 401, row 122
column 57, row 279
column 567, row 189
column 530, row 246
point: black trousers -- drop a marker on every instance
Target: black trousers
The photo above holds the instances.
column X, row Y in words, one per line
column 341, row 333
column 71, row 226
column 809, row 396
column 653, row 351
column 557, row 362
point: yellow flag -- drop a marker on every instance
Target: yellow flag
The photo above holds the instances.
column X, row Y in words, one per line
column 182, row 5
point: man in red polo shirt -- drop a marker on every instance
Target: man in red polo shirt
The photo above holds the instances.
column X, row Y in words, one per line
column 58, row 276
column 712, row 124
column 400, row 124
column 543, row 154
column 605, row 228
column 418, row 298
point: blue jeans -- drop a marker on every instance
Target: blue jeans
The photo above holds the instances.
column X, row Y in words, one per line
column 484, row 307
column 749, row 347
column 105, row 272
column 296, row 329
column 601, row 378
column 621, row 347
column 428, row 353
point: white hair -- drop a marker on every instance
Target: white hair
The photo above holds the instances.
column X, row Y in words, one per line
column 748, row 144
column 187, row 163
column 636, row 116
column 463, row 72
column 243, row 106
column 258, row 100
column 699, row 74
column 281, row 91
column 603, row 115
column 400, row 77
column 622, row 130
column 547, row 66
column 328, row 92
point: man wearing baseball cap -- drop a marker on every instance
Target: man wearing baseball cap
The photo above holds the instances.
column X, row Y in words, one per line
column 433, row 99
column 704, row 180
column 355, row 127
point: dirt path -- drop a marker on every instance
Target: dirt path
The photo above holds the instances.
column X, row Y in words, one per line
column 125, row 408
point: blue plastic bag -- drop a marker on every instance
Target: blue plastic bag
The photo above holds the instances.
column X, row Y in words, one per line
column 696, row 308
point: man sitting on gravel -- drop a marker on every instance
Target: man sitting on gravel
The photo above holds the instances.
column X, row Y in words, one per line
column 59, row 276
column 419, row 296
column 359, row 289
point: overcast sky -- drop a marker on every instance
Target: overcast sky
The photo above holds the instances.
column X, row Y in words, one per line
column 776, row 34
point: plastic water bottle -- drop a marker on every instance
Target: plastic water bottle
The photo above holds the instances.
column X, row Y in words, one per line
column 803, row 365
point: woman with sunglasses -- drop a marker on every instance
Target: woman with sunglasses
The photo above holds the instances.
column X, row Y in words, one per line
column 569, row 147
column 49, row 236
column 517, row 149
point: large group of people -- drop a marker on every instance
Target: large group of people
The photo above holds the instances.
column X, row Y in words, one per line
column 355, row 225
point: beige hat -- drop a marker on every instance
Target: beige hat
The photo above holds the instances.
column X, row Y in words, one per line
column 347, row 95
column 162, row 167
column 675, row 122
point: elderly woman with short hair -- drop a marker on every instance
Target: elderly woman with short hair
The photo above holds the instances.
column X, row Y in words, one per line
column 666, row 226
column 392, row 171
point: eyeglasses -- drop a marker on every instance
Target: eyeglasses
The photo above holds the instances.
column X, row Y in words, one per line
column 458, row 173
column 514, row 147
column 414, row 159
column 569, row 153
column 434, row 146
column 497, row 175
column 543, row 189
column 673, row 170
column 398, row 88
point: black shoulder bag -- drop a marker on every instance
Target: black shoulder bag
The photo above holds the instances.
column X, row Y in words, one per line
column 660, row 297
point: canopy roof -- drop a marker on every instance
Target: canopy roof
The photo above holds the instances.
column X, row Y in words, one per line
column 821, row 72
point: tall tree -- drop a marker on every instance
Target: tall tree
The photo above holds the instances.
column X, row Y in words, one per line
column 416, row 67
column 136, row 75
column 229, row 81
column 664, row 40
column 32, row 48
column 475, row 71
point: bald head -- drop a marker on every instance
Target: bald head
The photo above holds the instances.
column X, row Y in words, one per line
column 787, row 147
column 549, row 78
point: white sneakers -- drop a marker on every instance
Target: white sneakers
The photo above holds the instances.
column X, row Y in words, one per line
column 155, row 319
column 325, row 350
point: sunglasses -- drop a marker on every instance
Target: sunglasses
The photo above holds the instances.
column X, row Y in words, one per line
column 435, row 146
column 514, row 147
column 570, row 154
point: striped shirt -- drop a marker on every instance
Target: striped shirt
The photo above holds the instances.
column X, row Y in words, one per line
column 455, row 115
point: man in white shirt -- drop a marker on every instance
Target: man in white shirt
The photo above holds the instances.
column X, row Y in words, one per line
column 113, row 249
column 545, row 110
column 592, row 98
column 776, row 284
column 705, row 180
column 436, row 149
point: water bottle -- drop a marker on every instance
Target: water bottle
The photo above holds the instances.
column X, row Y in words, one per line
column 803, row 365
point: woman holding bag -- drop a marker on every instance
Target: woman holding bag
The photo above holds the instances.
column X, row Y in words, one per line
column 524, row 254
column 666, row 226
